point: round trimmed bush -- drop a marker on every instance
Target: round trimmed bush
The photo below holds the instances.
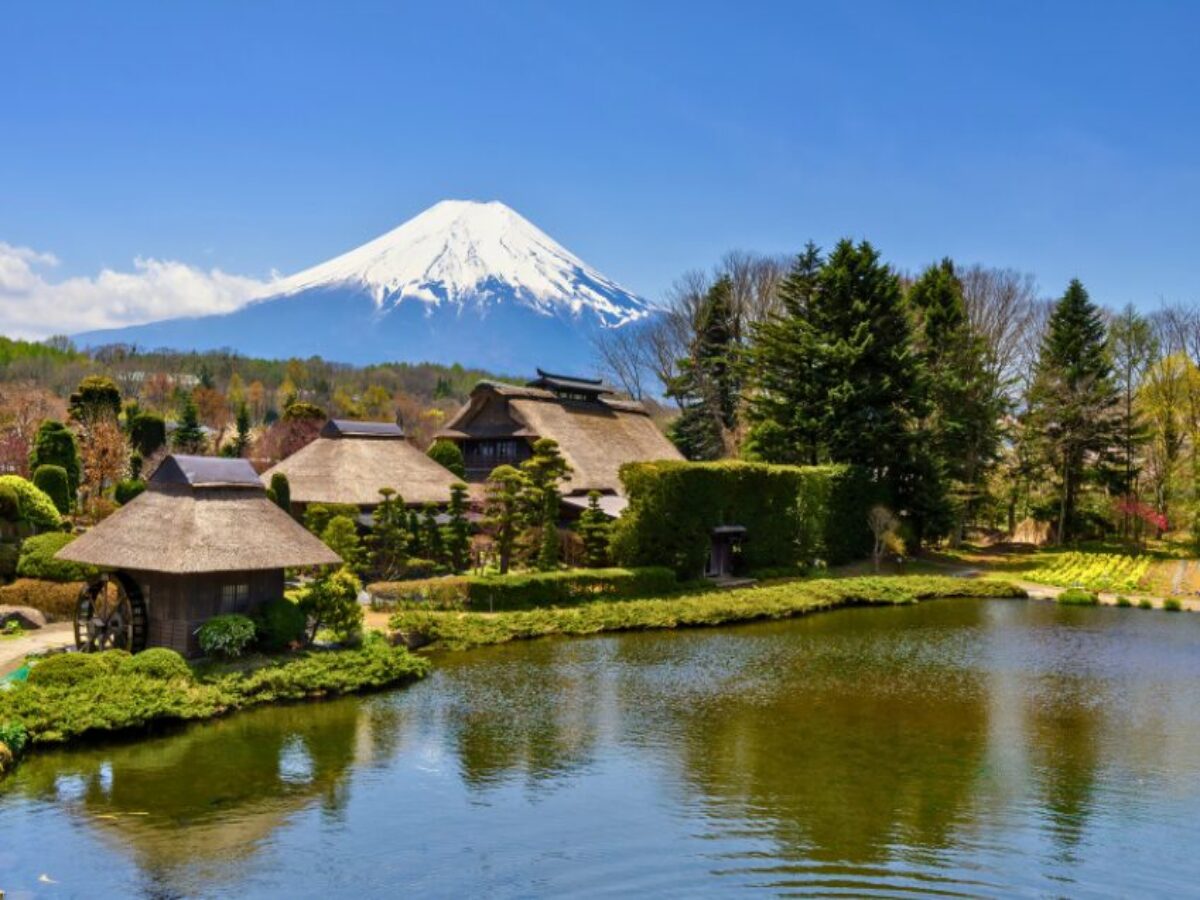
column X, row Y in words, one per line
column 159, row 662
column 280, row 623
column 226, row 636
column 127, row 489
column 36, row 508
column 37, row 559
column 66, row 669
column 1078, row 597
column 53, row 481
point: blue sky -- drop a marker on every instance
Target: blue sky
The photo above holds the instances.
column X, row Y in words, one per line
column 1060, row 139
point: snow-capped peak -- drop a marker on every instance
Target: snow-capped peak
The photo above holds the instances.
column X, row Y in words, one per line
column 461, row 251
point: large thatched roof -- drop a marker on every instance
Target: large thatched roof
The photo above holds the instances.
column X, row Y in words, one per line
column 351, row 468
column 597, row 436
column 199, row 514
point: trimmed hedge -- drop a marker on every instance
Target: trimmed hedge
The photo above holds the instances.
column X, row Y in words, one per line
column 36, row 507
column 52, row 480
column 526, row 591
column 56, row 599
column 792, row 514
column 459, row 631
column 37, row 559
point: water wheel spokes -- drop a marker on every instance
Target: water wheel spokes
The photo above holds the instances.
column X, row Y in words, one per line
column 109, row 616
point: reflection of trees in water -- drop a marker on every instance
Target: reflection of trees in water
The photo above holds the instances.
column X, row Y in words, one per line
column 210, row 794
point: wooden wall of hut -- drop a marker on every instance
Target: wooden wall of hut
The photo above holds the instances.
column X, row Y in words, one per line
column 177, row 605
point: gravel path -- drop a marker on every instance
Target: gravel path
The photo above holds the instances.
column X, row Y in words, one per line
column 14, row 650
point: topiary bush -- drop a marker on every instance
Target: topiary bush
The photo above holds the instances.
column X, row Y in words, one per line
column 159, row 662
column 147, row 433
column 280, row 624
column 56, row 599
column 1078, row 597
column 53, row 481
column 127, row 489
column 65, row 669
column 10, row 504
column 281, row 492
column 792, row 514
column 226, row 637
column 36, row 508
column 318, row 515
column 37, row 559
column 332, row 602
column 448, row 455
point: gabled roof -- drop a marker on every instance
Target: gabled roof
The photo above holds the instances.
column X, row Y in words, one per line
column 573, row 383
column 352, row 468
column 596, row 438
column 204, row 472
column 199, row 515
column 336, row 428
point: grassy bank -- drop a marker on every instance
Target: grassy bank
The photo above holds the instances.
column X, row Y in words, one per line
column 115, row 692
column 459, row 630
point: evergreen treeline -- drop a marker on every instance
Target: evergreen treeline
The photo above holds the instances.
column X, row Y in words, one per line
column 975, row 402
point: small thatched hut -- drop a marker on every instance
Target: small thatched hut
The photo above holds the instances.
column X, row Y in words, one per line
column 202, row 540
column 596, row 433
column 350, row 461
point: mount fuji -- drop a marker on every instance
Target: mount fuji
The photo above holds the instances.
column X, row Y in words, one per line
column 466, row 282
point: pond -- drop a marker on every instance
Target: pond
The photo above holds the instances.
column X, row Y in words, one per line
column 956, row 748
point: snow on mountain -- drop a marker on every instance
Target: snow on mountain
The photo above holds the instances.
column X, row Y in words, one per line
column 462, row 251
column 467, row 282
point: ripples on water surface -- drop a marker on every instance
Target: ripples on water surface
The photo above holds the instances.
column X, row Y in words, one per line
column 957, row 748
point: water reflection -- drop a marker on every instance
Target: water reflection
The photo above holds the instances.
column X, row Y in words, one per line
column 985, row 748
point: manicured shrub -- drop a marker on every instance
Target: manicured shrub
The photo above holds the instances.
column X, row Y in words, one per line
column 1173, row 604
column 281, row 491
column 527, row 591
column 127, row 489
column 792, row 514
column 1078, row 597
column 147, row 433
column 52, row 480
column 68, row 669
column 341, row 536
column 318, row 515
column 10, row 504
column 37, row 509
column 448, row 455
column 226, row 637
column 37, row 559
column 56, row 599
column 1124, row 602
column 159, row 662
column 332, row 602
column 55, row 445
column 280, row 623
column 1145, row 604
column 14, row 737
column 9, row 554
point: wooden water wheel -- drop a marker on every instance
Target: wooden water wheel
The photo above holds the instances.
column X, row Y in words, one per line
column 110, row 614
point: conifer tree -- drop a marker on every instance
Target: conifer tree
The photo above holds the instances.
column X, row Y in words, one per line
column 595, row 529
column 188, row 436
column 502, row 511
column 389, row 538
column 457, row 536
column 1074, row 401
column 241, row 440
column 547, row 559
column 431, row 534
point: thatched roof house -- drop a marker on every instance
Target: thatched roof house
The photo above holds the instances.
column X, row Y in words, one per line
column 596, row 432
column 202, row 540
column 350, row 461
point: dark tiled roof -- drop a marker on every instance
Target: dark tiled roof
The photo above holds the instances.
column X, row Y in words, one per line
column 336, row 428
column 570, row 383
column 205, row 471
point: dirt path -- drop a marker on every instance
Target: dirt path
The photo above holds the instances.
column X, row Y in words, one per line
column 14, row 650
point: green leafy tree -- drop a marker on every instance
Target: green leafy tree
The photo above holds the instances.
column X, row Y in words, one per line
column 147, row 432
column 448, row 455
column 55, row 445
column 502, row 511
column 241, row 440
column 53, row 481
column 389, row 539
column 188, row 436
column 96, row 397
column 457, row 537
column 595, row 529
column 431, row 534
column 1074, row 402
column 281, row 492
column 786, row 406
column 332, row 603
column 1134, row 350
column 341, row 536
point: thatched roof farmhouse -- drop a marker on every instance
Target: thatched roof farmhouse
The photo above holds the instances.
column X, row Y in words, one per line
column 596, row 432
column 350, row 461
column 202, row 540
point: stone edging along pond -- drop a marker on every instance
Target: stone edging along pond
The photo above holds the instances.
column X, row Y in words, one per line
column 122, row 699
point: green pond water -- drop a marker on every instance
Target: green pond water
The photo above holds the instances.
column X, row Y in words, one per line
column 956, row 748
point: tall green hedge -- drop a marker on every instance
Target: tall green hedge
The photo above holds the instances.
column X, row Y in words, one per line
column 792, row 514
column 52, row 480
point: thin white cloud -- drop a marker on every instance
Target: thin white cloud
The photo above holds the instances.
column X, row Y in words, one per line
column 32, row 306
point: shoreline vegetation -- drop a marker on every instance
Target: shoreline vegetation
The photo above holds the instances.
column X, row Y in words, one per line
column 463, row 630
